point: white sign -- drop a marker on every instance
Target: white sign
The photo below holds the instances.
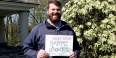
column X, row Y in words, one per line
column 59, row 45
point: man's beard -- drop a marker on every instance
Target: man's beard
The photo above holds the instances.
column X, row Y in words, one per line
column 56, row 20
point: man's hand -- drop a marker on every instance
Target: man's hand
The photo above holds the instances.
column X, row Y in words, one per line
column 73, row 55
column 42, row 54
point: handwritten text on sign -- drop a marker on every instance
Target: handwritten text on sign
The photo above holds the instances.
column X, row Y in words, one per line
column 59, row 45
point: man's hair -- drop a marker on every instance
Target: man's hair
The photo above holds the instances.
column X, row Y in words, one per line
column 55, row 2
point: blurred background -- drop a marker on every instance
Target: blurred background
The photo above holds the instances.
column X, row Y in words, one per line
column 94, row 22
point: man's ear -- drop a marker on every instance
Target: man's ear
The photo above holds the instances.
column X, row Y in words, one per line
column 47, row 11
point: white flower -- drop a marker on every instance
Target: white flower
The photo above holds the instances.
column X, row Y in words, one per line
column 105, row 21
column 102, row 26
column 75, row 28
column 110, row 0
column 71, row 21
column 106, row 32
column 78, row 33
column 110, row 41
column 87, row 1
column 104, row 35
column 105, row 11
column 108, row 26
column 81, row 26
column 114, row 8
column 97, row 4
column 93, row 26
column 111, row 15
column 80, row 40
column 89, row 23
column 83, row 11
column 79, row 3
column 103, row 39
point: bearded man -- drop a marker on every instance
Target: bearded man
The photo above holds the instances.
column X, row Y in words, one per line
column 34, row 45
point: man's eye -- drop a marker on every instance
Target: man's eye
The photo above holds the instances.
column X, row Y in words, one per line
column 53, row 9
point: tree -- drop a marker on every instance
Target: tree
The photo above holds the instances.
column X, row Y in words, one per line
column 12, row 30
column 94, row 22
column 37, row 14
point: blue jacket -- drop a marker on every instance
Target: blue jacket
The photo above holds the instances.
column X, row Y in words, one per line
column 36, row 39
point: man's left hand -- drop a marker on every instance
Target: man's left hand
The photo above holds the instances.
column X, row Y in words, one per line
column 73, row 55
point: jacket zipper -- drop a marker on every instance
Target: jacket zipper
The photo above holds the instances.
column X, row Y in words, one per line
column 59, row 29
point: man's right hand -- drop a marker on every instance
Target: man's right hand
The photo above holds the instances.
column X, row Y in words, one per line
column 42, row 54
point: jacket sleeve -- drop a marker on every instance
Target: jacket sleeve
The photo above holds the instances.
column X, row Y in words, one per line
column 30, row 44
column 76, row 46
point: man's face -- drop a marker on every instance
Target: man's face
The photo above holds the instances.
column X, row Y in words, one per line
column 54, row 13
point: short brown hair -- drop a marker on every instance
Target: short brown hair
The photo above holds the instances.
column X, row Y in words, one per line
column 57, row 3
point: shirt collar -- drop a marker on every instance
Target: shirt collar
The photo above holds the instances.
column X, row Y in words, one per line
column 58, row 26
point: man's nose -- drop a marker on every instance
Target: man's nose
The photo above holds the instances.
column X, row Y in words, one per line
column 55, row 11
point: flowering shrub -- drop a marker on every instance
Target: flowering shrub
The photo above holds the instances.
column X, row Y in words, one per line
column 94, row 22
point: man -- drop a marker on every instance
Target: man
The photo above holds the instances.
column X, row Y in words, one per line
column 34, row 45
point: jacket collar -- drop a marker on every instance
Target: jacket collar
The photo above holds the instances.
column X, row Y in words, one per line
column 49, row 26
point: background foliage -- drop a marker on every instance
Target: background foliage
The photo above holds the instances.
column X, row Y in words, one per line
column 94, row 22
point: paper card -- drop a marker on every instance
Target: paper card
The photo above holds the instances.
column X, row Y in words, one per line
column 59, row 45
